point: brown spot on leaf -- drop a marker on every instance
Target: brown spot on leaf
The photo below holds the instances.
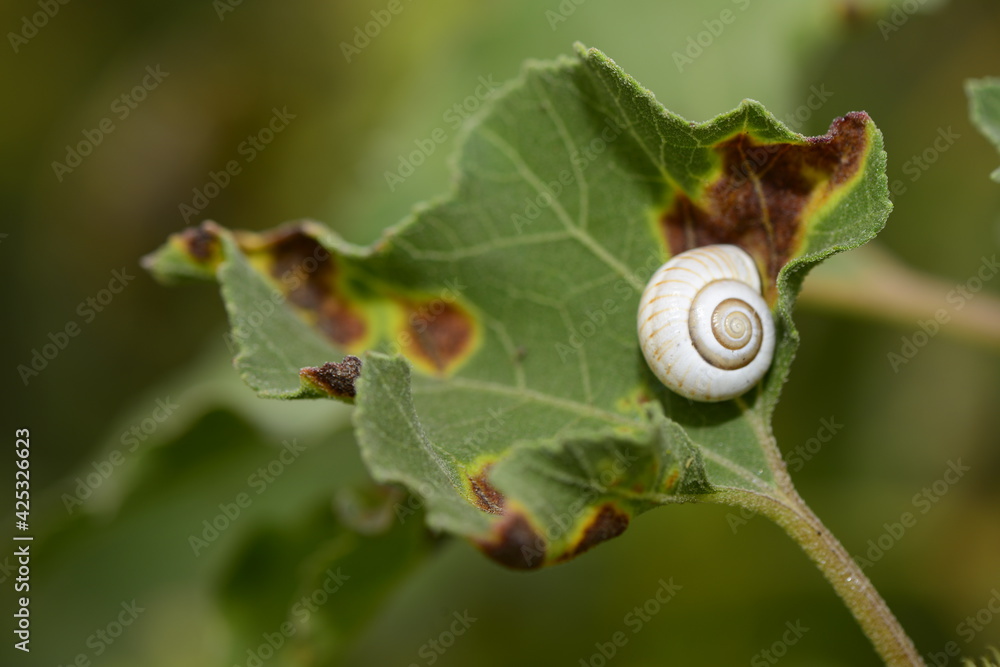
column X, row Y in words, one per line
column 311, row 280
column 758, row 201
column 438, row 332
column 200, row 242
column 515, row 544
column 338, row 380
column 609, row 522
column 487, row 497
column 339, row 322
column 308, row 274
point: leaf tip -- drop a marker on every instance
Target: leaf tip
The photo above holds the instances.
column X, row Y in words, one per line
column 193, row 253
column 608, row 522
column 336, row 380
column 515, row 543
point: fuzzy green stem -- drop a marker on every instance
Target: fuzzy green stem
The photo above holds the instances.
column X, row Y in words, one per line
column 793, row 515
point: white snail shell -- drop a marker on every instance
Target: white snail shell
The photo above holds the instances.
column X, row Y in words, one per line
column 704, row 328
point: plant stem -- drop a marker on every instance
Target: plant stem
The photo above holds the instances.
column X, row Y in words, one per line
column 796, row 518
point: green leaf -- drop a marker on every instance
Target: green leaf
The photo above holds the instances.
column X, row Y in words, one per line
column 217, row 441
column 502, row 379
column 984, row 109
column 320, row 580
column 178, row 483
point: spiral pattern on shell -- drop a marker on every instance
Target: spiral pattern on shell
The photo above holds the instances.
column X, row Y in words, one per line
column 704, row 328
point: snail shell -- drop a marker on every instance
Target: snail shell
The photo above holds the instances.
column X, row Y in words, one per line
column 704, row 328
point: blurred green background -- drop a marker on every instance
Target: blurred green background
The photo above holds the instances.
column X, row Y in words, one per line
column 229, row 65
